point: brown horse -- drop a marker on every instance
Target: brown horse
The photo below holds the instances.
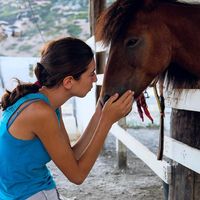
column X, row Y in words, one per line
column 150, row 38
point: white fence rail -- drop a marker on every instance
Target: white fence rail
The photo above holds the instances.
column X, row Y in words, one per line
column 161, row 168
column 182, row 153
column 188, row 99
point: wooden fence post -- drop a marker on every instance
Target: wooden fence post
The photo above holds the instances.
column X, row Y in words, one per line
column 121, row 149
column 185, row 127
column 96, row 7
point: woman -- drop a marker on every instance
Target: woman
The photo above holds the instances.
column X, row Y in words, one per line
column 32, row 131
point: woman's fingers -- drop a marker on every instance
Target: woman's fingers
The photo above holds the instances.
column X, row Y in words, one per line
column 128, row 107
column 126, row 95
column 126, row 100
column 129, row 99
column 116, row 108
column 112, row 98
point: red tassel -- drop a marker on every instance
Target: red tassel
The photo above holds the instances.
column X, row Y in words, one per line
column 141, row 104
column 140, row 110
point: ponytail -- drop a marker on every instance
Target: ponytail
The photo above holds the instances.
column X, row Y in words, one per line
column 10, row 97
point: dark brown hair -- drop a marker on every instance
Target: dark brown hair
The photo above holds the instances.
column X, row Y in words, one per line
column 59, row 58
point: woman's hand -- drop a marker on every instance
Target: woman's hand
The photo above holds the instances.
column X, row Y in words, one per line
column 115, row 108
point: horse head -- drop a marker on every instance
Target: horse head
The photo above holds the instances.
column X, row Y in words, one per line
column 142, row 43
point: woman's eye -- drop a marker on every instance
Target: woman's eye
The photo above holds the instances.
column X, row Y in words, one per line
column 131, row 43
column 92, row 74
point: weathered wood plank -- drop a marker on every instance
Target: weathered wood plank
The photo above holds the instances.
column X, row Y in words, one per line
column 185, row 127
column 96, row 7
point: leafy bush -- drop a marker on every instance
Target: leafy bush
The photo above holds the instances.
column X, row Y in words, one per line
column 74, row 30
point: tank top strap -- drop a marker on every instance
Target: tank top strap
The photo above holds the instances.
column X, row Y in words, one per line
column 29, row 97
column 16, row 113
column 11, row 109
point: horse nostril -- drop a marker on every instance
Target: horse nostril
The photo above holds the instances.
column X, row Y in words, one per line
column 105, row 98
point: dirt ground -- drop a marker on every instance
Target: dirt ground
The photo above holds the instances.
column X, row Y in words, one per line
column 107, row 182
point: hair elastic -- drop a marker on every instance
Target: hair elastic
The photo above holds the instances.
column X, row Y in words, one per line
column 37, row 83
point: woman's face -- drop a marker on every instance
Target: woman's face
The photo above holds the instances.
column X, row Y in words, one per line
column 84, row 84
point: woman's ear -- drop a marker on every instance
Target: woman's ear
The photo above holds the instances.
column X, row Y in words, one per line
column 68, row 82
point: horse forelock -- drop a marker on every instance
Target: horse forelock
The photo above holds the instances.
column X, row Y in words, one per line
column 113, row 22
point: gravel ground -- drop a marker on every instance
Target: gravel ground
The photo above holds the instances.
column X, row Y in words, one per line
column 107, row 182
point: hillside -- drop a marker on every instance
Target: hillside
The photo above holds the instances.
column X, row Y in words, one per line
column 27, row 24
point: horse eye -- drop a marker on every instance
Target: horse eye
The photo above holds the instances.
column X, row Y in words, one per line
column 131, row 43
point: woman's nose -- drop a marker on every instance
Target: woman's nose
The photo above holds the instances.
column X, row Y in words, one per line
column 95, row 78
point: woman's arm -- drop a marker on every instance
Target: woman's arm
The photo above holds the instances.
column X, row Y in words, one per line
column 49, row 132
column 81, row 144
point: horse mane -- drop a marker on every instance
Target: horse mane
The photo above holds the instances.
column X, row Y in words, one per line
column 114, row 20
column 177, row 77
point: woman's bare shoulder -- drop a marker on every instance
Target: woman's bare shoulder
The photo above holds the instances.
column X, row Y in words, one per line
column 38, row 112
column 40, row 108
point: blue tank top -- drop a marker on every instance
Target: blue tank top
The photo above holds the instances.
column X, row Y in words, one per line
column 23, row 170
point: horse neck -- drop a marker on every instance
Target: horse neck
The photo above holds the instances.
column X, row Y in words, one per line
column 183, row 23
